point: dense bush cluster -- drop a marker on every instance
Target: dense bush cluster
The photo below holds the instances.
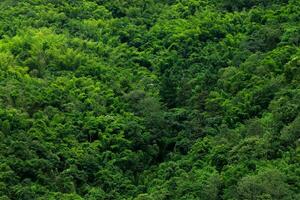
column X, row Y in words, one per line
column 150, row 99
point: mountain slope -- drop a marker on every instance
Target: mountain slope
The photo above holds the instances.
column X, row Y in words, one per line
column 172, row 99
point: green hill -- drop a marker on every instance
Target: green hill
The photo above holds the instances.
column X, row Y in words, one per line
column 149, row 99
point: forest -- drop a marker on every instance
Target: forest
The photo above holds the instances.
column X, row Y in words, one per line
column 149, row 100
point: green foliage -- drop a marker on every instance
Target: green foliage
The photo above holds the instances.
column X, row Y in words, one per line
column 149, row 99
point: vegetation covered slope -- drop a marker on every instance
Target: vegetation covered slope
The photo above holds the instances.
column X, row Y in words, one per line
column 150, row 99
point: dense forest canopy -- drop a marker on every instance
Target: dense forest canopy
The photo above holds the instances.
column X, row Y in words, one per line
column 150, row 99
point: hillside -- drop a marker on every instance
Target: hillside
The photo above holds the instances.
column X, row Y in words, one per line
column 149, row 99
